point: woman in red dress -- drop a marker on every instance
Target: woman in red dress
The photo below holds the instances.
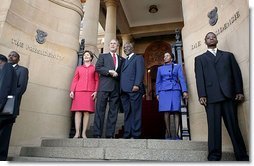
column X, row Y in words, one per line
column 83, row 92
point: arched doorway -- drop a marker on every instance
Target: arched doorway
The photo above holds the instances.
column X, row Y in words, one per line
column 152, row 120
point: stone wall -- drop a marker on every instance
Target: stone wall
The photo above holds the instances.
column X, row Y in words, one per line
column 233, row 35
column 45, row 106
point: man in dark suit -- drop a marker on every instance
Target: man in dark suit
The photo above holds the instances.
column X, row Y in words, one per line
column 108, row 66
column 132, row 90
column 8, row 86
column 220, row 87
column 21, row 85
column 22, row 76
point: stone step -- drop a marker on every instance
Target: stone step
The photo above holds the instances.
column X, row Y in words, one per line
column 125, row 143
column 44, row 159
column 119, row 150
column 133, row 154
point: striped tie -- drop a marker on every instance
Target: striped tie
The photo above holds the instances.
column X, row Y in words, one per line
column 114, row 58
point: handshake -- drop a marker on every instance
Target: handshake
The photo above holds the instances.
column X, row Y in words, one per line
column 113, row 73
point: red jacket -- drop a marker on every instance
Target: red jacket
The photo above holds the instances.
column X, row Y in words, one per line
column 85, row 79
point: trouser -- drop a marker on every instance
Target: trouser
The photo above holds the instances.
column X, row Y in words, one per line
column 227, row 110
column 5, row 135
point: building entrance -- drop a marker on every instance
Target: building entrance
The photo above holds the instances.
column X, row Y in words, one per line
column 153, row 121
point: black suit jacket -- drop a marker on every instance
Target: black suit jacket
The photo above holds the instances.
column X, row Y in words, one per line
column 105, row 63
column 22, row 80
column 218, row 77
column 8, row 83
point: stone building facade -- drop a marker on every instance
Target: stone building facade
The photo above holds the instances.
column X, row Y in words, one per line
column 45, row 105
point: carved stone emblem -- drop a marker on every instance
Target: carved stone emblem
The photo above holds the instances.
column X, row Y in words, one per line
column 40, row 37
column 213, row 16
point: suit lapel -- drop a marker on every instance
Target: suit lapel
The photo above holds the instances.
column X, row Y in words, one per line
column 110, row 58
column 119, row 62
column 210, row 56
column 127, row 62
column 218, row 55
column 16, row 67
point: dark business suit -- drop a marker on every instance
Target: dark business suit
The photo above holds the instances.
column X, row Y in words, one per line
column 219, row 79
column 22, row 76
column 8, row 86
column 108, row 91
column 132, row 73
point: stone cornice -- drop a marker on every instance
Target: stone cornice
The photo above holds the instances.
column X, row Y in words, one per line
column 70, row 4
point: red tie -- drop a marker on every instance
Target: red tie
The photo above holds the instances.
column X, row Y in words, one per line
column 114, row 58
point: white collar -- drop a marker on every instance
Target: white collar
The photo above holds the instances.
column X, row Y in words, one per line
column 130, row 55
column 215, row 50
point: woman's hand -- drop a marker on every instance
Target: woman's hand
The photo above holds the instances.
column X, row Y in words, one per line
column 94, row 95
column 185, row 95
column 72, row 94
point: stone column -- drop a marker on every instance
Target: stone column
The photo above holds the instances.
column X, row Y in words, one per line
column 126, row 38
column 110, row 28
column 90, row 25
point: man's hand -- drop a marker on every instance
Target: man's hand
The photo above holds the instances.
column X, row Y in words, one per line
column 203, row 101
column 113, row 73
column 239, row 97
column 135, row 88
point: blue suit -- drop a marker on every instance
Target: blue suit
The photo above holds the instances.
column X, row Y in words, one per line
column 170, row 83
column 170, row 80
column 132, row 74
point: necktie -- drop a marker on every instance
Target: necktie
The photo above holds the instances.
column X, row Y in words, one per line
column 114, row 58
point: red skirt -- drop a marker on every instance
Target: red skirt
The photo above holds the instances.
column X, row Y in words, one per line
column 83, row 101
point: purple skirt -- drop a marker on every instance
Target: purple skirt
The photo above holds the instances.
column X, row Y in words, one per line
column 170, row 101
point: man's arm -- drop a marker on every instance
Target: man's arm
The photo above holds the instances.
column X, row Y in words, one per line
column 200, row 81
column 22, row 81
column 140, row 70
column 102, row 69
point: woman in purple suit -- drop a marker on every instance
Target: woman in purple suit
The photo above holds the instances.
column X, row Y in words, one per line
column 170, row 86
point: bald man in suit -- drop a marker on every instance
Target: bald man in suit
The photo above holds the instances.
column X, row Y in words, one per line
column 132, row 90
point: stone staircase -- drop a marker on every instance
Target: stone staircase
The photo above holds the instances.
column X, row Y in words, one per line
column 117, row 150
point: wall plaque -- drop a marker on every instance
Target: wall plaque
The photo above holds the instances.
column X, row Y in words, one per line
column 213, row 16
column 41, row 36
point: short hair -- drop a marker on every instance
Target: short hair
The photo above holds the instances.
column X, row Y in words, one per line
column 171, row 54
column 3, row 58
column 210, row 33
column 116, row 41
column 90, row 52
